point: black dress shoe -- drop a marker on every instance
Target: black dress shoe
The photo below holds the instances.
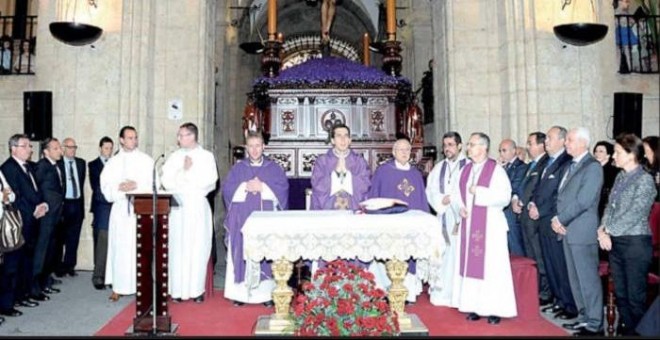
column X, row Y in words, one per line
column 574, row 326
column 269, row 303
column 473, row 317
column 409, row 303
column 2, row 320
column 26, row 303
column 544, row 302
column 199, row 299
column 586, row 332
column 60, row 274
column 51, row 290
column 493, row 320
column 11, row 312
column 99, row 286
column 72, row 273
column 551, row 309
column 56, row 282
column 564, row 315
column 237, row 303
column 40, row 297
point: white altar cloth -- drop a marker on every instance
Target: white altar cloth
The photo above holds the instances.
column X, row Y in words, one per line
column 331, row 234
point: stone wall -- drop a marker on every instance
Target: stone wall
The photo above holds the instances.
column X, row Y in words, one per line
column 150, row 52
column 506, row 74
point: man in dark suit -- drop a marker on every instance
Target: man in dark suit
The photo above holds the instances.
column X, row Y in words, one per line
column 515, row 170
column 17, row 267
column 74, row 208
column 100, row 208
column 576, row 222
column 530, row 228
column 542, row 207
column 51, row 186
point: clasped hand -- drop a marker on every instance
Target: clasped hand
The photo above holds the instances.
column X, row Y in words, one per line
column 187, row 163
column 254, row 185
column 127, row 185
column 341, row 165
column 557, row 227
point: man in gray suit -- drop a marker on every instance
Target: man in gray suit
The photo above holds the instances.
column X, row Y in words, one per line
column 576, row 222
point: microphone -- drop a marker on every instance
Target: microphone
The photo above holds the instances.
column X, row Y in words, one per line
column 153, row 175
column 154, row 226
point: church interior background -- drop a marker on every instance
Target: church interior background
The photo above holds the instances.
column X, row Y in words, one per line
column 497, row 68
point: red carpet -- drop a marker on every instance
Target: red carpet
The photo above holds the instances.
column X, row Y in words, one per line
column 217, row 316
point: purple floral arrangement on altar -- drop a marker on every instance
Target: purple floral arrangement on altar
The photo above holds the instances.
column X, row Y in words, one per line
column 331, row 73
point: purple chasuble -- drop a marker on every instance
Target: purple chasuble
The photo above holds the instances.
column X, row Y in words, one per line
column 407, row 185
column 238, row 212
column 321, row 181
column 473, row 266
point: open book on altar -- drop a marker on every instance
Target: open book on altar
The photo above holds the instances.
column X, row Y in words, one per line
column 382, row 205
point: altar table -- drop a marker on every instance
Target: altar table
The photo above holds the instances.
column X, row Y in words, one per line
column 287, row 236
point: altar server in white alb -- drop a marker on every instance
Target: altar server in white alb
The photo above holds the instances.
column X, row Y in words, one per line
column 131, row 170
column 190, row 173
column 441, row 189
column 483, row 285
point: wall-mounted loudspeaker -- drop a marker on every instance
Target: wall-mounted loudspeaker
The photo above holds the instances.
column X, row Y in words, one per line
column 627, row 113
column 38, row 114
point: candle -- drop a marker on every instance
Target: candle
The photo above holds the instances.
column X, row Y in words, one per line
column 391, row 20
column 366, row 55
column 272, row 19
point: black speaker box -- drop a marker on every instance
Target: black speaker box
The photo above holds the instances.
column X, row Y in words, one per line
column 38, row 114
column 627, row 113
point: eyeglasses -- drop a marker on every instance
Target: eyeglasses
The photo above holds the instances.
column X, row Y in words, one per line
column 24, row 146
column 474, row 144
column 71, row 146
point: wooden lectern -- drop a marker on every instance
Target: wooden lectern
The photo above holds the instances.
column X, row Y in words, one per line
column 146, row 301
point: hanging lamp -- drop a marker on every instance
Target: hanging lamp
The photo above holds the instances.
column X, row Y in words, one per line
column 580, row 33
column 75, row 33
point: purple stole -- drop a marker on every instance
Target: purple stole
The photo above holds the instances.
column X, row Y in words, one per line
column 479, row 218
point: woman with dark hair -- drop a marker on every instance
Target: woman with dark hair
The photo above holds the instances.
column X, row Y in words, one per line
column 603, row 154
column 652, row 160
column 625, row 233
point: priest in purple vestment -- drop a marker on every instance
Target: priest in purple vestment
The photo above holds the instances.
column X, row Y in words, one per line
column 483, row 285
column 255, row 183
column 340, row 178
column 397, row 178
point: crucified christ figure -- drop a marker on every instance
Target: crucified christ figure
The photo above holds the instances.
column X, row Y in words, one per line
column 327, row 16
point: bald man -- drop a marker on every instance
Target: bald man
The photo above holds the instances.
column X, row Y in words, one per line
column 397, row 178
column 515, row 170
column 73, row 212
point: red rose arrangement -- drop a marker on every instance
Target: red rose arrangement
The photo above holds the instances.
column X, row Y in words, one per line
column 342, row 300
